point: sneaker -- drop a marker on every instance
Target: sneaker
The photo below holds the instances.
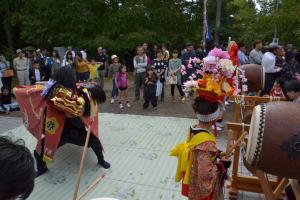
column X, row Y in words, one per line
column 128, row 105
column 121, row 106
column 183, row 99
column 112, row 101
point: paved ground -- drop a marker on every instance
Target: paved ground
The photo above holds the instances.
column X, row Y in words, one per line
column 136, row 145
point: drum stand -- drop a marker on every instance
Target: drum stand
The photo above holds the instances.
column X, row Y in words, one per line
column 271, row 194
column 242, row 182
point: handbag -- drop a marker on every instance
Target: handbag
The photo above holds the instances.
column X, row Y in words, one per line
column 8, row 73
column 172, row 80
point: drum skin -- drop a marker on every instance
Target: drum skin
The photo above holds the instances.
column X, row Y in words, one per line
column 274, row 139
column 255, row 75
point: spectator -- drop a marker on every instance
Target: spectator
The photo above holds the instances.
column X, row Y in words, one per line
column 101, row 59
column 160, row 66
column 280, row 57
column 56, row 62
column 107, row 61
column 289, row 69
column 21, row 66
column 16, row 170
column 190, row 53
column 155, row 47
column 277, row 90
column 140, row 64
column 70, row 49
column 243, row 58
column 148, row 53
column 33, row 58
column 68, row 61
column 272, row 72
column 293, row 90
column 174, row 72
column 82, row 68
column 6, row 78
column 46, row 63
column 200, row 53
column 122, row 85
column 84, row 53
column 129, row 60
column 114, row 68
column 6, row 104
column 150, row 88
column 36, row 73
column 165, row 52
column 297, row 65
column 256, row 54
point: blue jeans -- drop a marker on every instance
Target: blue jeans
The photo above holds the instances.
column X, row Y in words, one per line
column 114, row 92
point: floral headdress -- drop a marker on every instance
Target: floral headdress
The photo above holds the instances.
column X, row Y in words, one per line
column 219, row 78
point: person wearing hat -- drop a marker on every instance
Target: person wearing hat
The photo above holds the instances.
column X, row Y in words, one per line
column 112, row 71
column 101, row 59
column 21, row 66
column 272, row 72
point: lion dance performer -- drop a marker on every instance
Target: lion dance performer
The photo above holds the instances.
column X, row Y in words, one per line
column 199, row 166
column 61, row 112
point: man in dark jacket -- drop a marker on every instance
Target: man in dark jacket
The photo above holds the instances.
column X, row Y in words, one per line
column 36, row 73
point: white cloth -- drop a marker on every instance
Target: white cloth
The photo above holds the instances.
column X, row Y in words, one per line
column 268, row 63
column 37, row 75
column 84, row 54
column 297, row 100
column 159, row 87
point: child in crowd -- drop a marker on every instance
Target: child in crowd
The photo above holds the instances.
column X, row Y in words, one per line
column 293, row 90
column 36, row 74
column 121, row 81
column 277, row 90
column 6, row 104
column 175, row 74
column 160, row 66
column 150, row 88
column 17, row 171
column 82, row 68
column 113, row 70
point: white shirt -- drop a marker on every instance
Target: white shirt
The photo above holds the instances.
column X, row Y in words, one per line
column 37, row 75
column 268, row 63
column 84, row 54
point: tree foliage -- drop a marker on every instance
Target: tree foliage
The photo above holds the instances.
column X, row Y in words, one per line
column 121, row 24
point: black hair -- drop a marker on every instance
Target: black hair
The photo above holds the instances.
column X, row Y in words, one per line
column 159, row 51
column 280, row 81
column 293, row 86
column 256, row 42
column 57, row 55
column 204, row 107
column 79, row 54
column 36, row 62
column 17, row 171
column 65, row 76
column 121, row 67
column 67, row 55
column 289, row 56
column 175, row 51
column 4, row 88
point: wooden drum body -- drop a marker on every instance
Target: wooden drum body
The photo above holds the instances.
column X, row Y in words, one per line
column 274, row 139
column 255, row 75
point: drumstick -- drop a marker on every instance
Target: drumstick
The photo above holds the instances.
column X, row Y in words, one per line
column 82, row 163
column 237, row 143
column 91, row 186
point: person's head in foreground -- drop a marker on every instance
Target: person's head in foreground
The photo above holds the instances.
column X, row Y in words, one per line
column 293, row 90
column 206, row 111
column 17, row 172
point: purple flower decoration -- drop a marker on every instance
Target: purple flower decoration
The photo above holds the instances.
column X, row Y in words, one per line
column 219, row 53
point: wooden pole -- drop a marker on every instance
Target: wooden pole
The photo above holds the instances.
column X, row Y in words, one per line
column 82, row 163
column 91, row 187
column 204, row 24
